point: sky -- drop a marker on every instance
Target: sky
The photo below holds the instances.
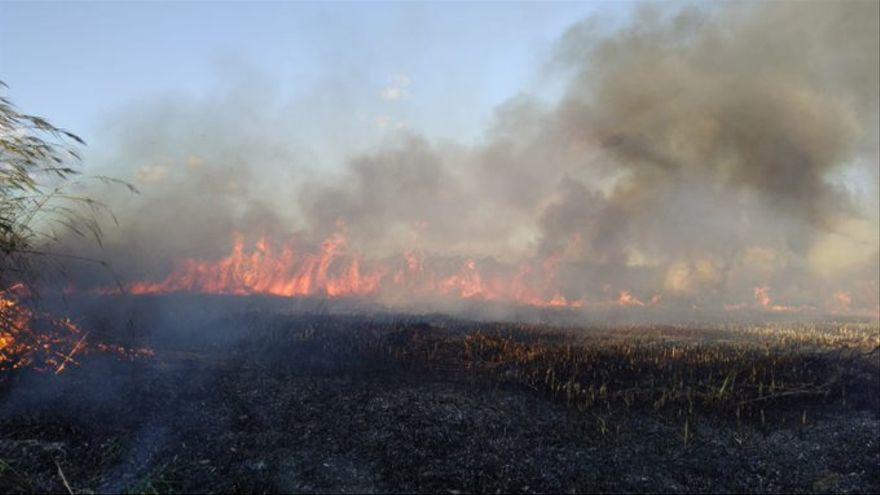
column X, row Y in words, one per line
column 696, row 150
column 392, row 65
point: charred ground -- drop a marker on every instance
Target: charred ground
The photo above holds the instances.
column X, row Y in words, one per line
column 275, row 401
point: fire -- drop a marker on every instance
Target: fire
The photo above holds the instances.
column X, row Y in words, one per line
column 765, row 302
column 333, row 272
column 21, row 345
column 627, row 299
column 266, row 270
column 29, row 339
column 762, row 296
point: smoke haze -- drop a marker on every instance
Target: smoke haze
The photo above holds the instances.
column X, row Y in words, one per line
column 713, row 157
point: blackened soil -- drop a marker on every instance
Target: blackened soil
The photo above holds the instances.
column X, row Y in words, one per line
column 316, row 415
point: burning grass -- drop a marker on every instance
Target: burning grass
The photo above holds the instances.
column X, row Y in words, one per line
column 28, row 339
column 37, row 340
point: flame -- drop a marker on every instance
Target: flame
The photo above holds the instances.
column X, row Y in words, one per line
column 266, row 270
column 29, row 339
column 762, row 297
column 333, row 272
column 21, row 345
column 627, row 299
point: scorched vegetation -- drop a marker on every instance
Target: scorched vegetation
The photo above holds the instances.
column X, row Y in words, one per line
column 273, row 401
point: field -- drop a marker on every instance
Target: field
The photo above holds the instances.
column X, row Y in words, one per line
column 308, row 402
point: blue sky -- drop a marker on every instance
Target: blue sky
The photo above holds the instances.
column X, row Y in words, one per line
column 437, row 68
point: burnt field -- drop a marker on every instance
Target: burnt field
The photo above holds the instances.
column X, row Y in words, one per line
column 275, row 401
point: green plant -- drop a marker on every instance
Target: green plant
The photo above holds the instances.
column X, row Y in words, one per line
column 39, row 179
column 40, row 200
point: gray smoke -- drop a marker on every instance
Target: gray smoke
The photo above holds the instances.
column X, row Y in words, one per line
column 696, row 153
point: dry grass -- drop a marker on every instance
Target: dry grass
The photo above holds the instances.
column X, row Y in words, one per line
column 728, row 370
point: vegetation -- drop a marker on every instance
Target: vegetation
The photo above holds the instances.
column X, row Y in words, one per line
column 267, row 401
column 39, row 176
column 734, row 371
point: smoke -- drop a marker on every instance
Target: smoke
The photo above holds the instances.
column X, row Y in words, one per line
column 694, row 155
column 727, row 128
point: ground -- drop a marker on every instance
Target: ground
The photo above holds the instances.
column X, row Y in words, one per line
column 353, row 404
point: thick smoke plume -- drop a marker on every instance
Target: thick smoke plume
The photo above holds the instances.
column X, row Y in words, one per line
column 715, row 157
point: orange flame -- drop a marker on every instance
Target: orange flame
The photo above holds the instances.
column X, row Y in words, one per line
column 56, row 344
column 331, row 272
column 627, row 299
column 269, row 271
column 762, row 296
